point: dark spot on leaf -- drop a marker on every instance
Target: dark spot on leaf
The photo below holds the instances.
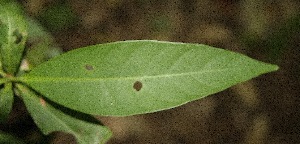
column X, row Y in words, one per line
column 137, row 85
column 89, row 67
column 18, row 36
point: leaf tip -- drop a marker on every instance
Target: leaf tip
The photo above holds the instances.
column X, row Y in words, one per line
column 276, row 67
column 273, row 67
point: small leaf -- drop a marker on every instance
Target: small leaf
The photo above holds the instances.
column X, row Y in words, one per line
column 41, row 45
column 134, row 77
column 58, row 16
column 6, row 101
column 49, row 119
column 12, row 36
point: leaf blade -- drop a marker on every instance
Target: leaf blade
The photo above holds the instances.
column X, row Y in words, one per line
column 170, row 74
column 6, row 101
column 13, row 35
column 50, row 119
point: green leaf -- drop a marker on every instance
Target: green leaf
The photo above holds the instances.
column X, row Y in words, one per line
column 58, row 16
column 12, row 36
column 6, row 101
column 3, row 80
column 42, row 44
column 50, row 118
column 9, row 139
column 134, row 77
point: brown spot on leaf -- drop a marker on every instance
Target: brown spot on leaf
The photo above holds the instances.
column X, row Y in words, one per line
column 42, row 102
column 88, row 67
column 18, row 36
column 137, row 85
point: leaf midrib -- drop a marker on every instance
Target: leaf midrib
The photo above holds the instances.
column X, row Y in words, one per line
column 45, row 78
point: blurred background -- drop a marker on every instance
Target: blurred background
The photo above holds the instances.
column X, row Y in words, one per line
column 262, row 110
